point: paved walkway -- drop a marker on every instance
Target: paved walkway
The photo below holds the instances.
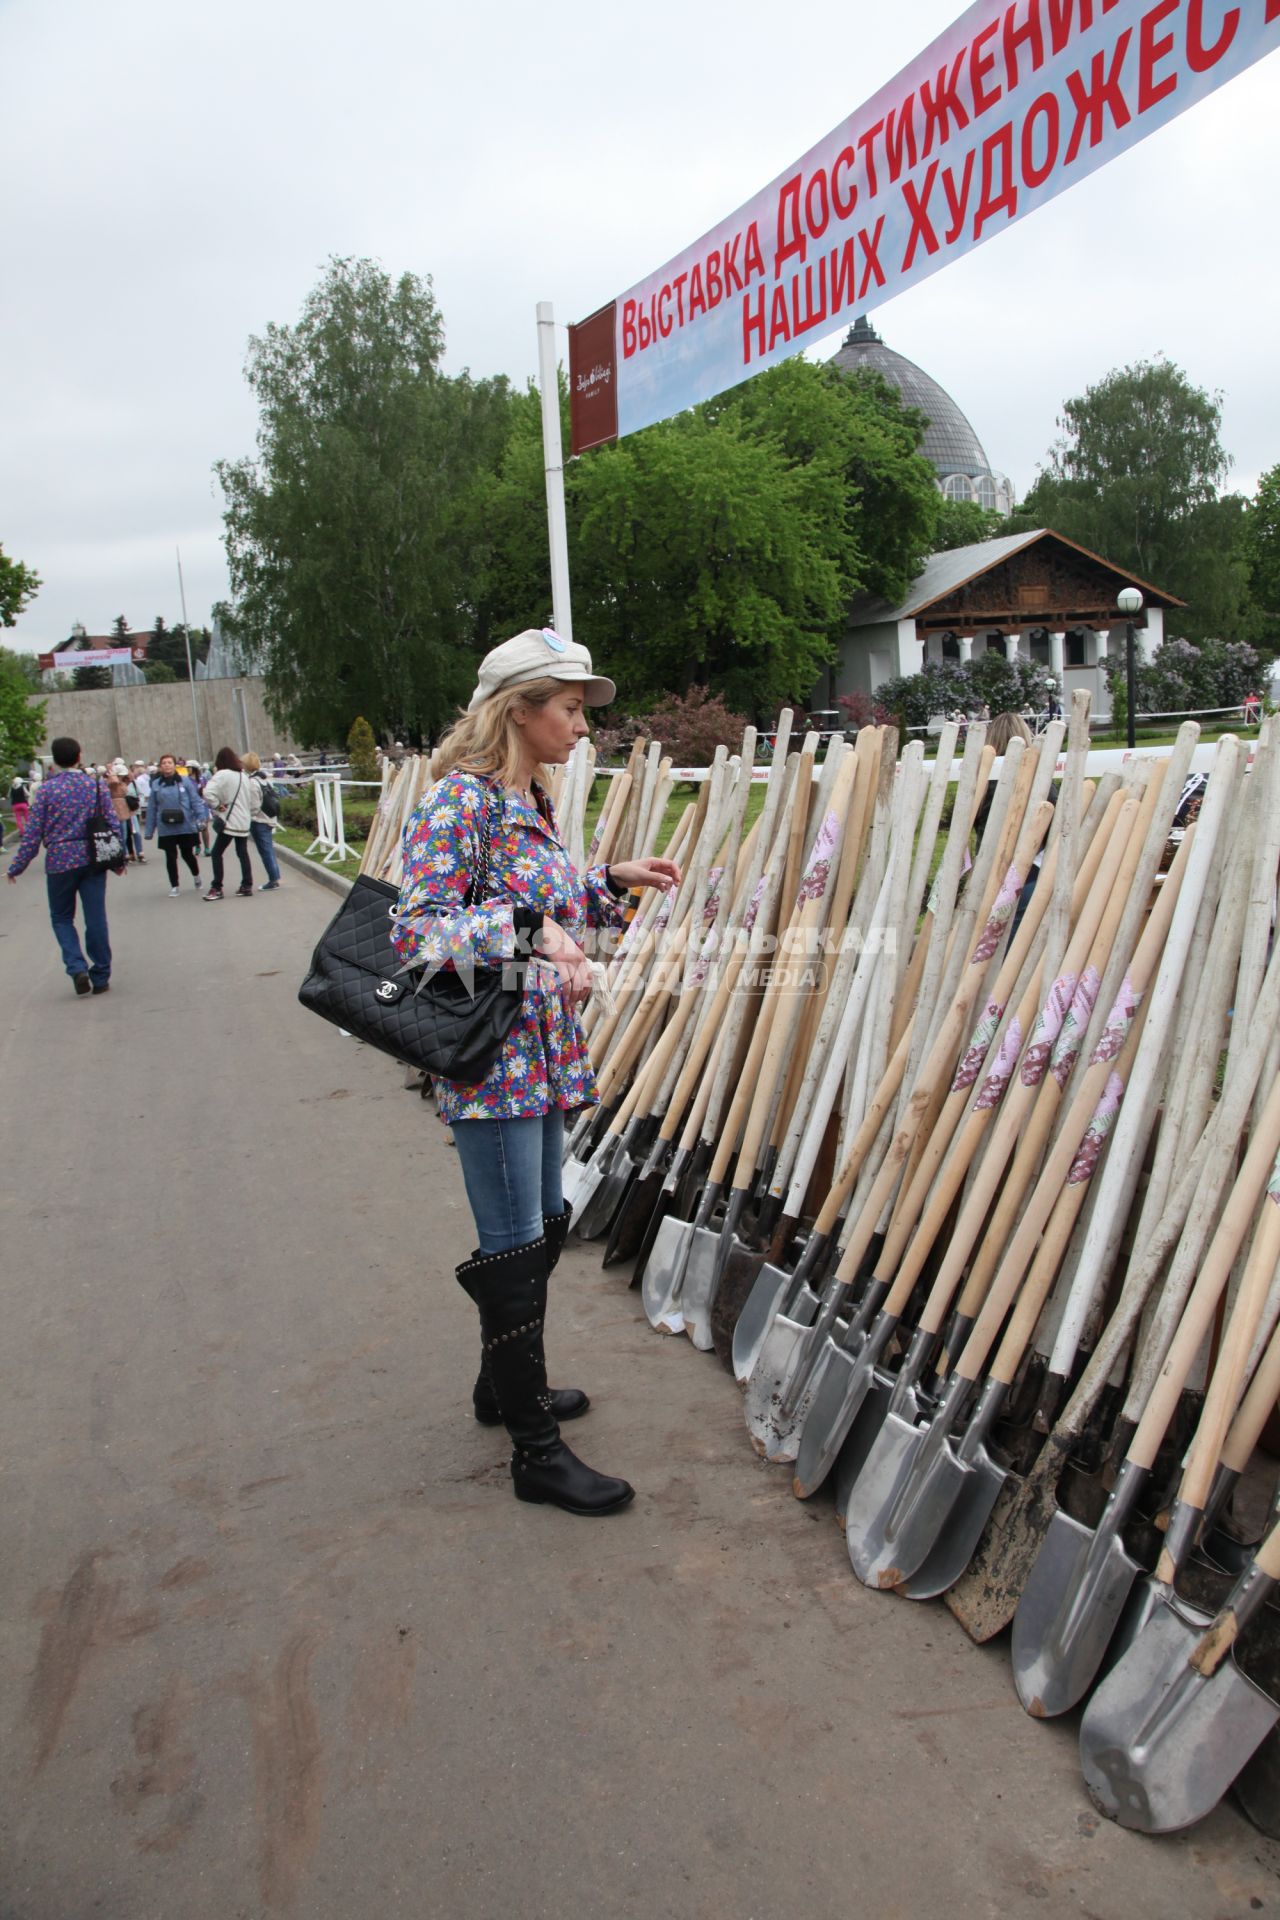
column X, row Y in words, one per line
column 276, row 1638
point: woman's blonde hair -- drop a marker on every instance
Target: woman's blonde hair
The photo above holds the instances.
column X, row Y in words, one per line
column 250, row 762
column 488, row 741
column 1005, row 727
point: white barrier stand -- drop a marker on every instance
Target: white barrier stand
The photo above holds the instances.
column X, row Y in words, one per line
column 330, row 838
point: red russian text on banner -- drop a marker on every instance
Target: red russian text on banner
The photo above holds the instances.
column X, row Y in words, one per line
column 1012, row 104
column 593, row 380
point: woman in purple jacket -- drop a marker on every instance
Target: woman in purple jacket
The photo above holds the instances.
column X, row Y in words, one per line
column 66, row 802
column 527, row 712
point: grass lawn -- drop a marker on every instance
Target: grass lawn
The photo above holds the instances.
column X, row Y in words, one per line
column 298, row 840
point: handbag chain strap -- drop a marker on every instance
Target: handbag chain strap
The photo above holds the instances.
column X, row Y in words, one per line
column 480, row 878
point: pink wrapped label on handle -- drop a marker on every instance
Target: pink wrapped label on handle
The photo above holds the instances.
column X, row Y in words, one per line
column 1002, row 1071
column 1095, row 1134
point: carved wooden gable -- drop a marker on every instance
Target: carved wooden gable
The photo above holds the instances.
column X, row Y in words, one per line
column 1041, row 585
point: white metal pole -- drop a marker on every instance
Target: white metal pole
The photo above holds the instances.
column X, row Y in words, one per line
column 553, row 467
column 191, row 672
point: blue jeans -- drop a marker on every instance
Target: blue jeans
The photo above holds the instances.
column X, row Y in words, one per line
column 512, row 1173
column 262, row 840
column 91, row 890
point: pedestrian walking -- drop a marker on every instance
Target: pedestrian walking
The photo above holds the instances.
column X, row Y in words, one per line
column 528, row 712
column 227, row 797
column 68, row 801
column 124, row 800
column 264, row 809
column 20, row 801
column 175, row 814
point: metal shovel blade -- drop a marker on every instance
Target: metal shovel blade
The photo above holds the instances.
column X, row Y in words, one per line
column 1159, row 1743
column 739, row 1271
column 698, row 1291
column 768, row 1297
column 579, row 1186
column 781, row 1355
column 847, row 1378
column 860, row 1439
column 958, row 1538
column 1069, row 1609
column 632, row 1220
column 791, row 1420
column 663, row 1273
column 597, row 1213
column 901, row 1499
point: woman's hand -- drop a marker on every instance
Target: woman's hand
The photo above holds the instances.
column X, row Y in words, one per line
column 568, row 959
column 662, row 874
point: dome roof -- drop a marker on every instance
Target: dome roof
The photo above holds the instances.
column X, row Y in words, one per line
column 949, row 441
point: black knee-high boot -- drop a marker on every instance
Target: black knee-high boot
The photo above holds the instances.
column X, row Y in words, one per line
column 510, row 1289
column 567, row 1403
column 556, row 1228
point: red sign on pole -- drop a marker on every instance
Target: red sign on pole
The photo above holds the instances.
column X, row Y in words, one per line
column 593, row 386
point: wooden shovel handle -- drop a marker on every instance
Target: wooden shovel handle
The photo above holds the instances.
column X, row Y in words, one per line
column 847, row 1178
column 1233, row 1354
column 1219, row 1638
column 1198, row 1313
column 705, row 1039
column 1256, row 1409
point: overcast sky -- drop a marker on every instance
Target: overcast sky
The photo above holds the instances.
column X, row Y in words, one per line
column 176, row 177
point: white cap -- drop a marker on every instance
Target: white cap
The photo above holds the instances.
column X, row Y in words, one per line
column 119, row 766
column 539, row 653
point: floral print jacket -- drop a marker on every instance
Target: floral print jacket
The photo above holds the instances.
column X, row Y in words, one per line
column 544, row 1063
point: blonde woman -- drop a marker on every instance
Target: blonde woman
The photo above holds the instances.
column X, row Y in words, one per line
column 528, row 712
column 261, row 828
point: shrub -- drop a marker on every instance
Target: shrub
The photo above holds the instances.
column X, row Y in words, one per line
column 943, row 686
column 863, row 710
column 360, row 750
column 1182, row 677
column 691, row 726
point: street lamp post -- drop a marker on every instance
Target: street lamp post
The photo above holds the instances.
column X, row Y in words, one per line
column 1129, row 601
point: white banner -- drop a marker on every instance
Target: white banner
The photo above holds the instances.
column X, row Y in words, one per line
column 1008, row 107
column 97, row 657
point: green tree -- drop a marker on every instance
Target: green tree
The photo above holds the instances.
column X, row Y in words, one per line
column 718, row 549
column 19, row 585
column 21, row 719
column 361, row 756
column 88, row 679
column 347, row 541
column 158, row 673
column 1262, row 552
column 963, row 523
column 1135, row 476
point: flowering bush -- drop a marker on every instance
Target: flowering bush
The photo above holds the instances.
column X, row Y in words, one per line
column 688, row 726
column 1182, row 677
column 863, row 710
column 945, row 686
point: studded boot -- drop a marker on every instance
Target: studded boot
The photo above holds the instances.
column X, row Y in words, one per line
column 510, row 1290
column 556, row 1228
column 567, row 1403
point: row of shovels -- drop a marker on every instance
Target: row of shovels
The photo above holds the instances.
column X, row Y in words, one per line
column 963, row 1151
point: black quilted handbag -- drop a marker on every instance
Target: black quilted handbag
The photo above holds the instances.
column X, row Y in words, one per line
column 445, row 1024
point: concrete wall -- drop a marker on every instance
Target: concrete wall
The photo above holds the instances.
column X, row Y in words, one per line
column 140, row 723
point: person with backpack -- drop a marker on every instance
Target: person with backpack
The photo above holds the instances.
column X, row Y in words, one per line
column 73, row 817
column 228, row 797
column 20, row 801
column 264, row 811
column 175, row 813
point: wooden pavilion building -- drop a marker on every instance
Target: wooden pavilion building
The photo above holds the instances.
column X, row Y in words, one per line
column 1036, row 595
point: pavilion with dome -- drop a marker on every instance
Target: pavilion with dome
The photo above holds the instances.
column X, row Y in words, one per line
column 959, row 460
column 1036, row 596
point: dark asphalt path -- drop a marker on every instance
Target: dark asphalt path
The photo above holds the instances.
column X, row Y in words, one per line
column 276, row 1638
